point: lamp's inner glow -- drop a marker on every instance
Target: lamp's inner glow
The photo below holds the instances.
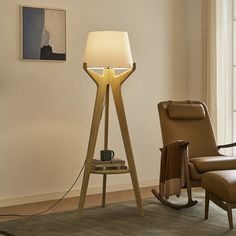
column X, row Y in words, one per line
column 108, row 49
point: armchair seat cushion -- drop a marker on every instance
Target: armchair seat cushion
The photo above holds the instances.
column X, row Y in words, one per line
column 212, row 163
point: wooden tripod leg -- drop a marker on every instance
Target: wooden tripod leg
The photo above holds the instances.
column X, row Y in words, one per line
column 116, row 90
column 97, row 114
column 104, row 184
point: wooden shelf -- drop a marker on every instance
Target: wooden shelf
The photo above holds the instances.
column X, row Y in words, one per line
column 110, row 172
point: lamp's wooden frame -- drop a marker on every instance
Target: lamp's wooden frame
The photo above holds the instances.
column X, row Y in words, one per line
column 103, row 82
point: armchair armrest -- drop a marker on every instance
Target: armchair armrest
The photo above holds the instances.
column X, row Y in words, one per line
column 184, row 144
column 226, row 145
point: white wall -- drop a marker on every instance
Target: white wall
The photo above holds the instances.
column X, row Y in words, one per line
column 194, row 50
column 46, row 107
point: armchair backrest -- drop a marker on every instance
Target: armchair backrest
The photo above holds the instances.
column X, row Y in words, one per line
column 190, row 121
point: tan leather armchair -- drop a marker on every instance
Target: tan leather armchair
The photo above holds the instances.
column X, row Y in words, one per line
column 190, row 121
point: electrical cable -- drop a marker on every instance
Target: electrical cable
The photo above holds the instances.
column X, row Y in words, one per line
column 53, row 205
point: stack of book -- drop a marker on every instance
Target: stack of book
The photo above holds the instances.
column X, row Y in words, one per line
column 114, row 164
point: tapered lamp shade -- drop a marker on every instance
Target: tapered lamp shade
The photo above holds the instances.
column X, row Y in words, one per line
column 108, row 49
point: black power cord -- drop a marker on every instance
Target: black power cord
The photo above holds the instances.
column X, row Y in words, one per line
column 58, row 201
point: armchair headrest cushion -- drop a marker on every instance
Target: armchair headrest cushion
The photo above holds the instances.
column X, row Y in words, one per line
column 185, row 111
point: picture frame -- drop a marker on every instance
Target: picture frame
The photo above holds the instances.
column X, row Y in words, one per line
column 43, row 34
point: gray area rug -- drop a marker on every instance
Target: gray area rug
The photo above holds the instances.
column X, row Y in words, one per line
column 122, row 219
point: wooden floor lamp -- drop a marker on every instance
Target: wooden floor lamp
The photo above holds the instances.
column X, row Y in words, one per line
column 108, row 50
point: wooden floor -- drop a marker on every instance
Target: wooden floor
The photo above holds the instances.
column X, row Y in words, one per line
column 72, row 203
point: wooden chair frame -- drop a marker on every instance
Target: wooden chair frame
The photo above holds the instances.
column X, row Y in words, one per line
column 189, row 182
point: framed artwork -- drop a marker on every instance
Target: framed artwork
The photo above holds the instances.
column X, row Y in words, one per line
column 43, row 33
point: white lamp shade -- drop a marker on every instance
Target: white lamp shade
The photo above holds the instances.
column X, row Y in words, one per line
column 108, row 49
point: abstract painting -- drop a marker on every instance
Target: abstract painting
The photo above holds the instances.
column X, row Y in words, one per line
column 43, row 34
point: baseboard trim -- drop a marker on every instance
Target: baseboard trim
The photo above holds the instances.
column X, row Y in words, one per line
column 74, row 193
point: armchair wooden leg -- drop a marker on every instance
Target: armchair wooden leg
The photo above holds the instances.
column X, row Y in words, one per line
column 207, row 200
column 229, row 213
